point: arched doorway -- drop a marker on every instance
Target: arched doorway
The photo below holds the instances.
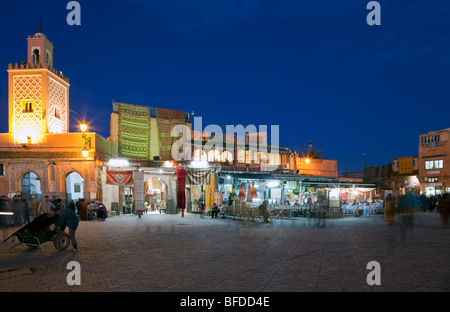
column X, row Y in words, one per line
column 74, row 187
column 31, row 186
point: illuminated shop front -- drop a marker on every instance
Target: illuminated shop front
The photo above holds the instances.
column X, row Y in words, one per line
column 279, row 189
column 196, row 186
column 337, row 193
column 266, row 188
column 133, row 186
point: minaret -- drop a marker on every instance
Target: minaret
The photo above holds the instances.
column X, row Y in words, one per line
column 38, row 94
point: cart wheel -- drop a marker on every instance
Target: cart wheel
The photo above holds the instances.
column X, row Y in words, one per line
column 61, row 241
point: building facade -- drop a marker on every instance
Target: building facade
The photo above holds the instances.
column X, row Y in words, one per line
column 405, row 175
column 135, row 168
column 434, row 162
column 38, row 156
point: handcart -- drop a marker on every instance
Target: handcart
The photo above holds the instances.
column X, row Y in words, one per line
column 39, row 231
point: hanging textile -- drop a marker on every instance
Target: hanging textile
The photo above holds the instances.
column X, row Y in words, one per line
column 166, row 119
column 119, row 177
column 99, row 185
column 181, row 187
column 134, row 131
column 198, row 177
column 210, row 190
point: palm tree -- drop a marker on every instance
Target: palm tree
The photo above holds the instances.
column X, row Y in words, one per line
column 311, row 153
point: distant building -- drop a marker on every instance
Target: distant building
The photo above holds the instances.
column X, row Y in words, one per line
column 351, row 175
column 381, row 176
column 434, row 162
column 405, row 175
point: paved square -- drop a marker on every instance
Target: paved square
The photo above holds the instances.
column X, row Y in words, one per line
column 168, row 253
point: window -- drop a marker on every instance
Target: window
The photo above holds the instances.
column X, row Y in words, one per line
column 432, row 180
column 77, row 187
column 27, row 106
column 227, row 156
column 263, row 158
column 241, row 155
column 434, row 164
column 248, row 157
column 2, row 169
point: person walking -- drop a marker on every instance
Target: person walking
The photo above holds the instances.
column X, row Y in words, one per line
column 60, row 204
column 45, row 206
column 81, row 206
column 26, row 211
column 406, row 206
column 444, row 208
column 5, row 207
column 66, row 218
column 389, row 209
column 34, row 206
column 262, row 210
column 321, row 216
column 71, row 205
column 17, row 209
column 202, row 206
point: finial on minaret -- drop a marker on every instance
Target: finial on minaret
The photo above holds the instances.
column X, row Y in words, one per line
column 40, row 25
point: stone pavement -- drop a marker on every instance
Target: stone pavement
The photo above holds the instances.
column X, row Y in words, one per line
column 168, row 253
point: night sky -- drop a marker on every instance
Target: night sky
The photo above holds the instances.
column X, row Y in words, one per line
column 316, row 68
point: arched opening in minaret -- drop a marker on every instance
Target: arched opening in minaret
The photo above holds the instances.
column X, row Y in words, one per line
column 36, row 56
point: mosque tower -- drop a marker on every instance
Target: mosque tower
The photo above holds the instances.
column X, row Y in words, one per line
column 38, row 94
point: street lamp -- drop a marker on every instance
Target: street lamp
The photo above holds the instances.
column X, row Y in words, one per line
column 365, row 164
column 87, row 140
column 83, row 126
column 85, row 152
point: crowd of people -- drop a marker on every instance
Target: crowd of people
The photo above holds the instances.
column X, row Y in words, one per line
column 20, row 211
column 404, row 206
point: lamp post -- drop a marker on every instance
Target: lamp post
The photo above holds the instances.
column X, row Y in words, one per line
column 365, row 164
column 87, row 140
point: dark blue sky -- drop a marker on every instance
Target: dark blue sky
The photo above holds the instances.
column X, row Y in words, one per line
column 313, row 67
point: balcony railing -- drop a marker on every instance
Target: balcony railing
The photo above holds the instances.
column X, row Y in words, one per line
column 433, row 144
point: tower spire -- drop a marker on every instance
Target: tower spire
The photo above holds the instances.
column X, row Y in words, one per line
column 40, row 25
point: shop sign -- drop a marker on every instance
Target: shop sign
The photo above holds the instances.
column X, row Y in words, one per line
column 246, row 181
column 405, row 165
column 316, row 185
column 434, row 172
column 434, row 184
column 100, row 163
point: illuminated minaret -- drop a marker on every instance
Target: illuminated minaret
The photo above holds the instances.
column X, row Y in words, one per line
column 38, row 94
